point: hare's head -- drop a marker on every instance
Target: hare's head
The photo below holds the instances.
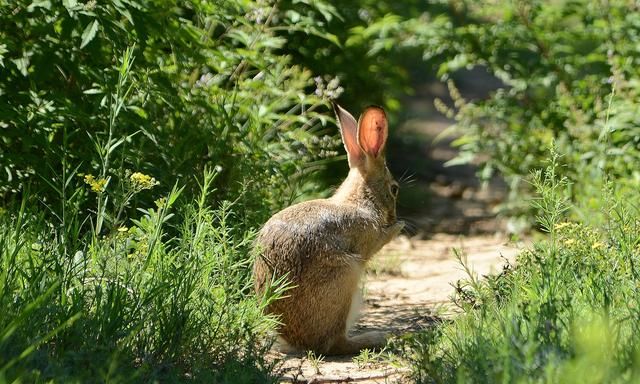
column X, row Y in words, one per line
column 369, row 182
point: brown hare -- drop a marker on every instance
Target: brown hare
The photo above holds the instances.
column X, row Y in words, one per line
column 322, row 246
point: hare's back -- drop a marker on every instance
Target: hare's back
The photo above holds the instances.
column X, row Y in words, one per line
column 311, row 230
column 315, row 219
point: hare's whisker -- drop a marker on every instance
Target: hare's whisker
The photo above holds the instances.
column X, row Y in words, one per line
column 407, row 178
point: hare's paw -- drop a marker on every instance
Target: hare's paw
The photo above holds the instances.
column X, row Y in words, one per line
column 395, row 229
column 399, row 225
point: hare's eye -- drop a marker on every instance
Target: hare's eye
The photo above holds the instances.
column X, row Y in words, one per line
column 394, row 189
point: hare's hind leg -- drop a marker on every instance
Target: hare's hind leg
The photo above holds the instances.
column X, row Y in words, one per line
column 315, row 314
column 318, row 316
column 351, row 345
column 343, row 344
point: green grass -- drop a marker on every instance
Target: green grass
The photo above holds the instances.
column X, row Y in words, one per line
column 567, row 311
column 167, row 298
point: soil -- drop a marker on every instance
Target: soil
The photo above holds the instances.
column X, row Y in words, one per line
column 411, row 281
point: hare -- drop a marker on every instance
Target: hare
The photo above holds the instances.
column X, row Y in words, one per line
column 322, row 246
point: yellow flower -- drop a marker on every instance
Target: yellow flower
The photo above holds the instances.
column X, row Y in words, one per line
column 123, row 229
column 141, row 181
column 161, row 202
column 562, row 225
column 569, row 242
column 96, row 185
column 597, row 245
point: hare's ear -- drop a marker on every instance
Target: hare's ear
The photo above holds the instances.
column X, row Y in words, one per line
column 372, row 131
column 349, row 132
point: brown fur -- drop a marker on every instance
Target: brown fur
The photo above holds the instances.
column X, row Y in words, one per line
column 322, row 245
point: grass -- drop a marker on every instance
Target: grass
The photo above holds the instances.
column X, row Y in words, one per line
column 566, row 312
column 168, row 299
column 368, row 358
column 315, row 361
column 114, row 276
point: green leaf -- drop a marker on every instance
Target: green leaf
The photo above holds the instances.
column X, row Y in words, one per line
column 70, row 4
column 89, row 33
column 92, row 91
column 46, row 4
column 23, row 64
column 138, row 111
column 3, row 50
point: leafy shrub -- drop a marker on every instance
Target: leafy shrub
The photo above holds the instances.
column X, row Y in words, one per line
column 202, row 84
column 363, row 47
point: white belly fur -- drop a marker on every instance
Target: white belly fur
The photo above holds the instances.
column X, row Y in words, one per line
column 356, row 304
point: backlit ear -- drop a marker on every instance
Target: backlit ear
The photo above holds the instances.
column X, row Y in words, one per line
column 349, row 132
column 372, row 131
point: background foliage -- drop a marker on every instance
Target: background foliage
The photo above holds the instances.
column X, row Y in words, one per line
column 565, row 311
column 570, row 74
column 206, row 86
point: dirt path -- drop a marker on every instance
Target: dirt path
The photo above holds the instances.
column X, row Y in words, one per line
column 412, row 279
